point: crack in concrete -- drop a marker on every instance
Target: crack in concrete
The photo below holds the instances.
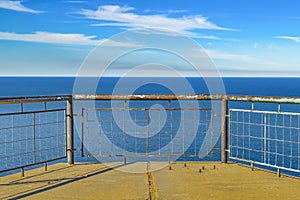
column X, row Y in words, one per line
column 151, row 186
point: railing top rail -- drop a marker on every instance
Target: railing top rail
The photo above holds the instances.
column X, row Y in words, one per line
column 245, row 98
column 267, row 99
column 147, row 97
column 32, row 99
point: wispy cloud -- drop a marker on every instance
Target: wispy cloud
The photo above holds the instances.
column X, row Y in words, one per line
column 228, row 56
column 17, row 6
column 61, row 38
column 210, row 37
column 75, row 1
column 177, row 11
column 48, row 37
column 242, row 58
column 113, row 15
column 292, row 38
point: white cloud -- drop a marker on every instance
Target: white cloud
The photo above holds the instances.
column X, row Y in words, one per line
column 61, row 38
column 295, row 39
column 210, row 37
column 124, row 16
column 48, row 37
column 177, row 11
column 78, row 1
column 16, row 6
column 227, row 56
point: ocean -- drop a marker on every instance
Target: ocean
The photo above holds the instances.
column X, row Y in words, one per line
column 277, row 145
column 32, row 86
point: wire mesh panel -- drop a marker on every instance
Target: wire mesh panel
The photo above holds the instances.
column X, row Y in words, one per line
column 265, row 137
column 28, row 138
column 147, row 132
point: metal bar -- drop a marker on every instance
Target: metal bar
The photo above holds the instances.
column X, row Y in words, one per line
column 291, row 139
column 22, row 172
column 144, row 155
column 57, row 133
column 147, row 131
column 298, row 144
column 13, row 141
column 265, row 99
column 45, row 166
column 249, row 136
column 237, row 135
column 265, row 164
column 264, row 111
column 269, row 141
column 278, row 172
column 145, row 97
column 195, row 130
column 82, row 131
column 30, row 112
column 29, row 165
column 224, row 131
column 230, row 133
column 22, row 107
column 159, row 128
column 34, row 138
column 24, row 126
column 243, row 135
column 70, row 145
column 33, row 99
column 151, row 109
column 265, row 138
column 182, row 132
column 252, row 165
column 171, row 134
column 213, row 129
column 135, row 131
column 282, row 161
column 270, row 99
column 124, row 134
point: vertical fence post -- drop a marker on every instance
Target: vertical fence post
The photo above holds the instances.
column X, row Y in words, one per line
column 265, row 138
column 70, row 136
column 224, row 130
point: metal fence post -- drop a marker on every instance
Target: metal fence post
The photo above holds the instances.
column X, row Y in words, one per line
column 265, row 138
column 224, row 130
column 70, row 136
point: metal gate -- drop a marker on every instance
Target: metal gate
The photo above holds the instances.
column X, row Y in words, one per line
column 268, row 138
column 147, row 132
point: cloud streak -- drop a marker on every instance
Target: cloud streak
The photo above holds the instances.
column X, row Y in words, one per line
column 227, row 56
column 78, row 1
column 126, row 17
column 17, row 6
column 292, row 38
column 61, row 38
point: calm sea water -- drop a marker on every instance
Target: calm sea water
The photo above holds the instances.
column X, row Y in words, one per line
column 35, row 86
column 27, row 86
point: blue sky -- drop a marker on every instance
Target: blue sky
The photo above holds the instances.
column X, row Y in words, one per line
column 243, row 38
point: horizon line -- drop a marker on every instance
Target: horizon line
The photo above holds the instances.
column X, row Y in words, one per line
column 74, row 76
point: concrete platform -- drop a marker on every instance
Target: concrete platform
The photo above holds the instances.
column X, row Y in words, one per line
column 183, row 181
